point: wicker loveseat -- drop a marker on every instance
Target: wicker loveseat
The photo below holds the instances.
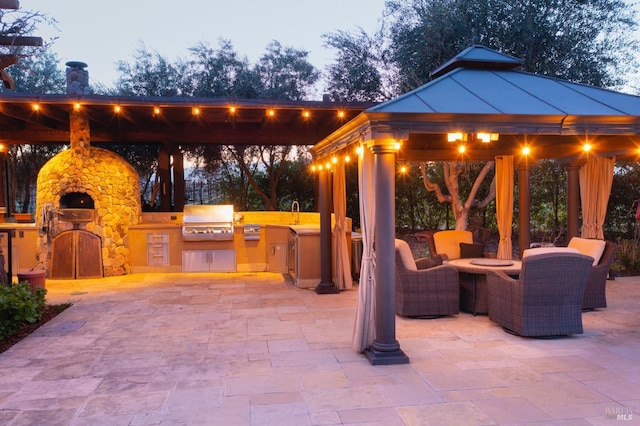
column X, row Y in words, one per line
column 424, row 287
column 546, row 299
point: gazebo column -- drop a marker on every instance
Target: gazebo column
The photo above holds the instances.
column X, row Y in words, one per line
column 573, row 200
column 385, row 350
column 326, row 285
column 524, row 207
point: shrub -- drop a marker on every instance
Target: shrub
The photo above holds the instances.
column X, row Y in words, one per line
column 18, row 306
column 627, row 257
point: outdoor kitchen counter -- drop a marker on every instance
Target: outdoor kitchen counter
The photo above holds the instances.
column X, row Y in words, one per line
column 157, row 245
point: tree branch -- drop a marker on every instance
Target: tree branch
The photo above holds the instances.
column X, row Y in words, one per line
column 471, row 200
column 433, row 187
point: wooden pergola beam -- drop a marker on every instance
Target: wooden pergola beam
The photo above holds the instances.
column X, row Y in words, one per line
column 9, row 4
column 20, row 41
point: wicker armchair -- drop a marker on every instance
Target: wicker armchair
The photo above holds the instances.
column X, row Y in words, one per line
column 546, row 300
column 425, row 287
column 594, row 293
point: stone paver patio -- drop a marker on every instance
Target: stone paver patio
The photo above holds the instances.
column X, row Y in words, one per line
column 251, row 349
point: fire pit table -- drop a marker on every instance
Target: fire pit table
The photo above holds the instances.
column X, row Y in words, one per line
column 473, row 280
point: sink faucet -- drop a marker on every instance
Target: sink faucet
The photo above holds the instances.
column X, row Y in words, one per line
column 295, row 211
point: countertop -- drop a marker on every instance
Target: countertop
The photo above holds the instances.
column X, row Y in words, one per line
column 11, row 225
column 301, row 229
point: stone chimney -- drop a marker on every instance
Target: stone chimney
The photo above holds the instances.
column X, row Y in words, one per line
column 77, row 78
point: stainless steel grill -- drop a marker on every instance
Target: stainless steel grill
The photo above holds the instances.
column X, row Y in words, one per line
column 207, row 223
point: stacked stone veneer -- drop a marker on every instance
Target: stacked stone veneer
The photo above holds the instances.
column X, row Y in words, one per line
column 111, row 182
column 77, row 79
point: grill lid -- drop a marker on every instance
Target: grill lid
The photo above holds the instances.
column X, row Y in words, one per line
column 195, row 214
column 206, row 222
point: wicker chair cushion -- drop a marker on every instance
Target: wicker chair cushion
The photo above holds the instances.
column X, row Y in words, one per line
column 405, row 254
column 471, row 250
column 448, row 242
column 547, row 250
column 588, row 247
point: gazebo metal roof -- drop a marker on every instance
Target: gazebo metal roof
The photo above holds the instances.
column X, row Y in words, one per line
column 480, row 90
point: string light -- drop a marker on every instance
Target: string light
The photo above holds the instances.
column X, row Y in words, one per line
column 77, row 106
column 306, row 114
column 36, row 107
column 156, row 110
column 341, row 113
column 271, row 112
column 487, row 137
column 117, row 109
column 195, row 111
column 455, row 137
column 232, row 110
column 461, row 149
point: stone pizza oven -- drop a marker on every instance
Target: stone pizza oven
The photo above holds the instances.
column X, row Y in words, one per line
column 87, row 197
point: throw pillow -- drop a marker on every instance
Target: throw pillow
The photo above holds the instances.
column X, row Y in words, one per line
column 471, row 250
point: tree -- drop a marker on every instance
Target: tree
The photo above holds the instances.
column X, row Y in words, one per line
column 452, row 172
column 416, row 207
column 354, row 75
column 16, row 30
column 586, row 42
column 621, row 222
column 221, row 72
column 270, row 159
column 281, row 73
column 39, row 75
column 151, row 74
column 285, row 73
column 548, row 196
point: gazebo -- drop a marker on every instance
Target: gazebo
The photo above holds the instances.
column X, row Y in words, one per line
column 481, row 101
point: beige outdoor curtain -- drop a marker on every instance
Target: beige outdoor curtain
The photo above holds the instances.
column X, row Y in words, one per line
column 341, row 256
column 504, row 204
column 596, row 178
column 364, row 330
